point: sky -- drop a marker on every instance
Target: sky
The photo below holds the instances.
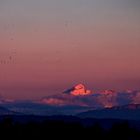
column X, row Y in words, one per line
column 47, row 46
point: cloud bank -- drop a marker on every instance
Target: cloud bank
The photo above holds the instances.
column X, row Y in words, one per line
column 96, row 100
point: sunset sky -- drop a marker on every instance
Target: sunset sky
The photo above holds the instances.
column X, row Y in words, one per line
column 47, row 46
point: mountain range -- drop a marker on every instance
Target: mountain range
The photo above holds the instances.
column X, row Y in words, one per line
column 127, row 112
column 81, row 102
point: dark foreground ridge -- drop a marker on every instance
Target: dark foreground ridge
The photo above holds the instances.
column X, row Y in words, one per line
column 67, row 127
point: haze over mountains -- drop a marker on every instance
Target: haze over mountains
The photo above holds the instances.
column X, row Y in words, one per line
column 76, row 100
column 79, row 95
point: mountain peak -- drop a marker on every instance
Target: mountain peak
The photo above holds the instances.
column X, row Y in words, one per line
column 79, row 90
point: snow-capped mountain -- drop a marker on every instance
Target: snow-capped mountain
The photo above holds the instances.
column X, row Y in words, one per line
column 75, row 100
column 78, row 90
column 79, row 95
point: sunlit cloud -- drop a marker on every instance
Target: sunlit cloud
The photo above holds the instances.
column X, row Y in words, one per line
column 97, row 100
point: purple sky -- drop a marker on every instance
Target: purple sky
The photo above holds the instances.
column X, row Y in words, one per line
column 47, row 46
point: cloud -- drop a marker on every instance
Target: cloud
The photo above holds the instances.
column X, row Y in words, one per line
column 96, row 100
column 64, row 99
column 136, row 98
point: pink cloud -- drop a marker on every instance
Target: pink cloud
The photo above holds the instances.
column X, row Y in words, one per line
column 63, row 99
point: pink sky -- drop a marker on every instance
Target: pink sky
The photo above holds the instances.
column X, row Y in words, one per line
column 46, row 47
